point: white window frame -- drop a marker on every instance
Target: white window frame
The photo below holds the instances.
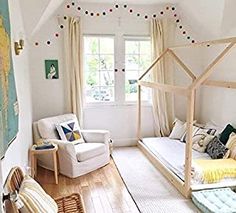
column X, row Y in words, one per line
column 136, row 38
column 119, row 77
column 99, row 103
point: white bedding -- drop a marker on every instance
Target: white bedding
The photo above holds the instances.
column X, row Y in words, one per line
column 172, row 154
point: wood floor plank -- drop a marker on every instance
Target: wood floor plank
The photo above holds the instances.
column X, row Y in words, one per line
column 102, row 190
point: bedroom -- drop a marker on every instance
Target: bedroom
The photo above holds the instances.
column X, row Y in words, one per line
column 115, row 50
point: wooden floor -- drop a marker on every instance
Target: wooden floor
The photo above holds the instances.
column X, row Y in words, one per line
column 103, row 190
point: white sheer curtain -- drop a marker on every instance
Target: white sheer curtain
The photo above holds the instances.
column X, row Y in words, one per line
column 73, row 64
column 162, row 36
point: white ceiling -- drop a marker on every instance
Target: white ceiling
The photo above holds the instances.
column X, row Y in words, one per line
column 131, row 1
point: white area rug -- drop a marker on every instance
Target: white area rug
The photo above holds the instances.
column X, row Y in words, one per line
column 150, row 190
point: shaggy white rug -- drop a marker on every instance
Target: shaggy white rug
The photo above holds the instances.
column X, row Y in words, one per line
column 151, row 192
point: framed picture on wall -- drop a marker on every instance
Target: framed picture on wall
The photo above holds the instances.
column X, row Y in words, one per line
column 51, row 69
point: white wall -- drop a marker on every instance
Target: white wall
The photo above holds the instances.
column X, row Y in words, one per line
column 214, row 21
column 17, row 153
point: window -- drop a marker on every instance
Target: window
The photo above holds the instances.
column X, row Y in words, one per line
column 137, row 60
column 99, row 68
column 101, row 59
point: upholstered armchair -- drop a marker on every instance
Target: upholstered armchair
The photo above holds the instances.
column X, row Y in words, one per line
column 74, row 159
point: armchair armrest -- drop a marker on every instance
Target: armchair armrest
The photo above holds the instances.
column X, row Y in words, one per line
column 64, row 146
column 96, row 136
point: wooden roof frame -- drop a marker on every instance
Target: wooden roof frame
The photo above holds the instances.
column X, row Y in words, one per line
column 189, row 92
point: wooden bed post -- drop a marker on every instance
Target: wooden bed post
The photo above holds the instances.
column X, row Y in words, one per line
column 139, row 113
column 188, row 147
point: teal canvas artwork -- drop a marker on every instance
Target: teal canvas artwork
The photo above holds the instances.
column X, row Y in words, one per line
column 8, row 97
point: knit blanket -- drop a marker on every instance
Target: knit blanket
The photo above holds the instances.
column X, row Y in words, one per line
column 215, row 170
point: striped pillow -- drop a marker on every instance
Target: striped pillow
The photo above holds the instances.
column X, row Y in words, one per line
column 199, row 130
column 35, row 199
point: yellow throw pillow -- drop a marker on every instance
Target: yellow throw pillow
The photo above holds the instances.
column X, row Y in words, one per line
column 35, row 199
column 232, row 140
column 231, row 145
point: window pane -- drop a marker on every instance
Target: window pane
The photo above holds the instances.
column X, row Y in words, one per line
column 137, row 60
column 107, row 78
column 145, row 47
column 132, row 75
column 107, row 93
column 99, row 69
column 91, row 63
column 91, row 45
column 92, row 94
column 106, row 62
column 92, row 78
column 132, row 62
column 144, row 62
column 106, row 45
column 132, row 47
column 131, row 85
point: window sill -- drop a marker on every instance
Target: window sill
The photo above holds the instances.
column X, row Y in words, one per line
column 114, row 104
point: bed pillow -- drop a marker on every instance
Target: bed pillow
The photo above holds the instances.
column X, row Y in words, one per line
column 224, row 136
column 70, row 131
column 213, row 128
column 231, row 145
column 197, row 130
column 233, row 153
column 232, row 140
column 216, row 149
column 35, row 199
column 184, row 137
column 201, row 140
column 178, row 129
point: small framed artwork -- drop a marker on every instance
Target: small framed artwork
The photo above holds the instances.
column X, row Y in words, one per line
column 51, row 69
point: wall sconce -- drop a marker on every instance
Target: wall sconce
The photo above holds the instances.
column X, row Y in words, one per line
column 19, row 45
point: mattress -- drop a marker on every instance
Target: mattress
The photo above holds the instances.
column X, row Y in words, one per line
column 172, row 154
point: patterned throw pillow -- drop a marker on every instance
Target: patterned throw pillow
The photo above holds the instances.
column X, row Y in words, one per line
column 201, row 140
column 199, row 130
column 217, row 150
column 70, row 131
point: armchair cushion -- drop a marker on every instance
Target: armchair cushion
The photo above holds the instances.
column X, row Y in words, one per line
column 87, row 151
column 47, row 128
column 70, row 131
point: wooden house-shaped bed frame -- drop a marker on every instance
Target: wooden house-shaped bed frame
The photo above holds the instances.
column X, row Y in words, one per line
column 189, row 92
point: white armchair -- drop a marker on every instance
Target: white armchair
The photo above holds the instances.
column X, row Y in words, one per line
column 74, row 160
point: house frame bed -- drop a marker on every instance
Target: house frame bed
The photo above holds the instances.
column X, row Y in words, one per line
column 189, row 92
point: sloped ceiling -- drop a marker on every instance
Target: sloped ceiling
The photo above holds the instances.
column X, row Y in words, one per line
column 228, row 26
column 36, row 13
column 204, row 17
column 207, row 19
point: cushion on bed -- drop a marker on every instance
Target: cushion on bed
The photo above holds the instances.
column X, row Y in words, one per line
column 198, row 130
column 200, row 141
column 231, row 145
column 215, row 200
column 224, row 136
column 212, row 126
column 216, row 149
column 184, row 137
column 178, row 129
